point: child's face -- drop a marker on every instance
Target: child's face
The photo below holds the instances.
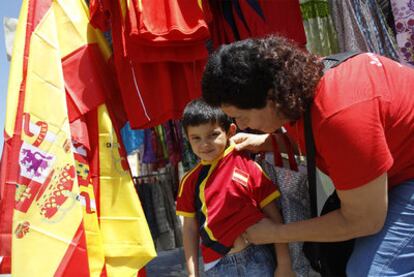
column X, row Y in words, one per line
column 208, row 141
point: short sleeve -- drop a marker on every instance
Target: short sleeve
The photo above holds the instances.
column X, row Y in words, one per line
column 353, row 145
column 185, row 197
column 264, row 190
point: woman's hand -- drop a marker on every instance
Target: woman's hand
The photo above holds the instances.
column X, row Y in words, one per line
column 252, row 142
column 262, row 232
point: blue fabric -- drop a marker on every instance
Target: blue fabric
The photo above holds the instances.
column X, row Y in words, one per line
column 377, row 36
column 133, row 139
column 149, row 151
column 391, row 251
column 255, row 260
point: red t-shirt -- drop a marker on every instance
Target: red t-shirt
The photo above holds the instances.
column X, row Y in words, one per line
column 226, row 197
column 363, row 122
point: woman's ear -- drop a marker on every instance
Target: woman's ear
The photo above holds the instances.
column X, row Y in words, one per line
column 232, row 130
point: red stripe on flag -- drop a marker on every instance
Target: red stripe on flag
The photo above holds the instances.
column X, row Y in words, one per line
column 7, row 196
column 75, row 261
column 37, row 10
column 5, row 265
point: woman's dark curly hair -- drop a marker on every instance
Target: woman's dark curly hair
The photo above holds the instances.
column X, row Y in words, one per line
column 242, row 73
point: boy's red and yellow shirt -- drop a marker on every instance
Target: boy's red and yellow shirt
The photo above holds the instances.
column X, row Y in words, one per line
column 226, row 197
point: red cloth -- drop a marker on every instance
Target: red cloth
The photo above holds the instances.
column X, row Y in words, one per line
column 160, row 92
column 165, row 31
column 5, row 265
column 363, row 122
column 142, row 272
column 86, row 78
column 76, row 256
column 235, row 190
column 159, row 65
column 236, row 20
column 7, row 200
column 99, row 17
column 284, row 17
column 171, row 22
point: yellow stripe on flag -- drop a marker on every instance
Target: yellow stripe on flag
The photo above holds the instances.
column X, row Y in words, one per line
column 96, row 256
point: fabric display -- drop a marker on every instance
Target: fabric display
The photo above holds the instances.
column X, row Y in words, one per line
column 230, row 21
column 159, row 54
column 361, row 25
column 162, row 149
column 164, row 144
column 403, row 11
column 160, row 46
column 320, row 31
column 76, row 108
column 132, row 139
column 158, row 201
column 386, row 9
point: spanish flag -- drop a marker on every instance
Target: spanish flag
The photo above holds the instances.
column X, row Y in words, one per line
column 63, row 168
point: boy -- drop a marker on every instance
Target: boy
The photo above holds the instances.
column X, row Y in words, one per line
column 221, row 197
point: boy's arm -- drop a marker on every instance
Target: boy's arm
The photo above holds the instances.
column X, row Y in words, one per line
column 284, row 263
column 191, row 242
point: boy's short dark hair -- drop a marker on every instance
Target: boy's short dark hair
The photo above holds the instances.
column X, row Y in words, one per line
column 198, row 112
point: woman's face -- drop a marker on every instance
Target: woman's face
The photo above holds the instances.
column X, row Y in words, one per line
column 266, row 119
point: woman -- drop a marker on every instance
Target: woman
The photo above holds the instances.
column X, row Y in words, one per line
column 363, row 123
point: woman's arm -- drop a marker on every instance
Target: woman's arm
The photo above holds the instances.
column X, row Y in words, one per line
column 363, row 212
column 191, row 242
column 284, row 262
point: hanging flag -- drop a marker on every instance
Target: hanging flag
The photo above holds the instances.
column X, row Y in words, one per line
column 126, row 239
column 47, row 229
column 66, row 184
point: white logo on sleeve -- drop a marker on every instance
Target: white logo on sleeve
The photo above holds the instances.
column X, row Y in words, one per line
column 240, row 177
column 374, row 60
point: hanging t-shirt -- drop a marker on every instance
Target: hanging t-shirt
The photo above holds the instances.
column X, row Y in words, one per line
column 159, row 55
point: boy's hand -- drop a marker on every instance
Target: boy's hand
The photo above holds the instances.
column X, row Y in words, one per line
column 284, row 271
